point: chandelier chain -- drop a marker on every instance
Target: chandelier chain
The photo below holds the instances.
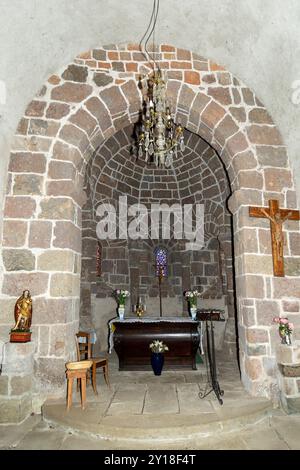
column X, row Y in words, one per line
column 152, row 24
column 158, row 136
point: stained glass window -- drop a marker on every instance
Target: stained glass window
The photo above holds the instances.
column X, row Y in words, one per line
column 161, row 262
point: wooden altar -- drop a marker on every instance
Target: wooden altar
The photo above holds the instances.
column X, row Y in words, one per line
column 131, row 339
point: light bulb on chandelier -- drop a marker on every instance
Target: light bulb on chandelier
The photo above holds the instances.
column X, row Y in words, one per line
column 158, row 136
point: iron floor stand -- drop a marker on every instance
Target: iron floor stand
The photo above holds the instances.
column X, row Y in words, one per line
column 212, row 366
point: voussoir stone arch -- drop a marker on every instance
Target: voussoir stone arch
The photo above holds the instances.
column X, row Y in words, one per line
column 80, row 108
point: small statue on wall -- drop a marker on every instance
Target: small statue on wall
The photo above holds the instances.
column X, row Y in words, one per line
column 21, row 333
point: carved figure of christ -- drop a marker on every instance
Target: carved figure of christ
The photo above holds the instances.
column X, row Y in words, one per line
column 277, row 218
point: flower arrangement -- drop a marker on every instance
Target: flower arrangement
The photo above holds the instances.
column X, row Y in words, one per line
column 191, row 297
column 158, row 346
column 121, row 295
column 285, row 328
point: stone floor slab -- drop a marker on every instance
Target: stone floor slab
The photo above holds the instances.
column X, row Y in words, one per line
column 161, row 399
column 92, row 413
column 165, row 379
column 228, row 443
column 288, row 429
column 189, row 400
column 42, row 440
column 75, row 442
column 11, row 435
column 267, row 439
column 144, row 411
column 196, row 378
column 127, row 399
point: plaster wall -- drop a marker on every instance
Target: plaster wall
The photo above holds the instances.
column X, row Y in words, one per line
column 258, row 41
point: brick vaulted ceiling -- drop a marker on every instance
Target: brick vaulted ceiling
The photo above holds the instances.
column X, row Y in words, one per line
column 197, row 176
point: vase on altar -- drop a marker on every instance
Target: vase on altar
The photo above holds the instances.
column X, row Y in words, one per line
column 193, row 312
column 157, row 362
column 121, row 311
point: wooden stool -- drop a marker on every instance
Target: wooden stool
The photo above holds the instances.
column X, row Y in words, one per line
column 77, row 370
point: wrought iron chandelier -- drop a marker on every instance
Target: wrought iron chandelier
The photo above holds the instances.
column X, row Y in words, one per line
column 158, row 136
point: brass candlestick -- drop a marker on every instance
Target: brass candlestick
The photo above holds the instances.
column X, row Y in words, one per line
column 139, row 309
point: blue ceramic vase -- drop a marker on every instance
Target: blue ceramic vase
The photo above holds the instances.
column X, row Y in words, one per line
column 157, row 362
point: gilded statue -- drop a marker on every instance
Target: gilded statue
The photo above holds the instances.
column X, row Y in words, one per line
column 23, row 312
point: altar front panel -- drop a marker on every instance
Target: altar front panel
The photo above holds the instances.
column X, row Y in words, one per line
column 131, row 341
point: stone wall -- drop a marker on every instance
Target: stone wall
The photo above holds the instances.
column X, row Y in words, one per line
column 78, row 109
column 196, row 177
column 288, row 360
column 17, row 382
column 192, row 25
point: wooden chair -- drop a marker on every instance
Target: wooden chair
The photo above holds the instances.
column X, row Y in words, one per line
column 77, row 370
column 84, row 351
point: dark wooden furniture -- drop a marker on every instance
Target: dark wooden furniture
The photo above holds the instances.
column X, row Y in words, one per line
column 132, row 338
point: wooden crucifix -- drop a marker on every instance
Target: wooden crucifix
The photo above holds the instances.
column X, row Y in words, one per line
column 277, row 217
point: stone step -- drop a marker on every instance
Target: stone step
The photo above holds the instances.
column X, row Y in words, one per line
column 158, row 431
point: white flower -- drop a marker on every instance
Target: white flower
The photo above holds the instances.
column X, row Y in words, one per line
column 158, row 346
column 192, row 294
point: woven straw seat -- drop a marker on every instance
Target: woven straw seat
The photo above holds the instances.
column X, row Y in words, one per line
column 79, row 365
column 77, row 370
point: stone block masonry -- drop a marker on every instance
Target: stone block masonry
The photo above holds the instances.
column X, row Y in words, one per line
column 77, row 111
column 288, row 359
column 16, row 382
column 198, row 175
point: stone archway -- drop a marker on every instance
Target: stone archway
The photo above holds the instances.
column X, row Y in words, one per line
column 197, row 176
column 72, row 114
